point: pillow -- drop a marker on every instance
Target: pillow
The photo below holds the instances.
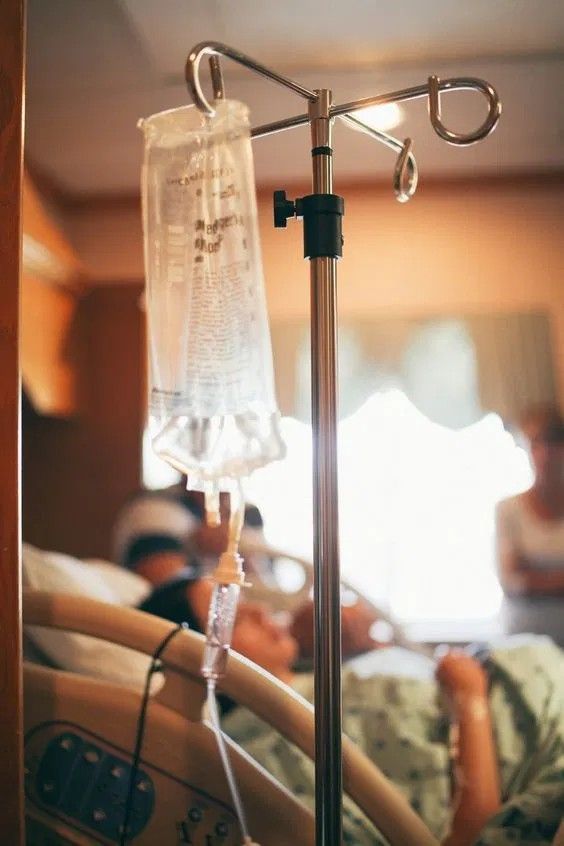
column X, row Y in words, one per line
column 130, row 588
column 61, row 573
column 53, row 571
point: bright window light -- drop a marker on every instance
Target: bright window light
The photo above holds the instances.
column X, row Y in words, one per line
column 156, row 472
column 382, row 117
column 417, row 505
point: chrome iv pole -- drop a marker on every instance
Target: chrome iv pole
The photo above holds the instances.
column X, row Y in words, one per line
column 322, row 213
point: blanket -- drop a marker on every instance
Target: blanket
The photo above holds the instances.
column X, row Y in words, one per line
column 400, row 722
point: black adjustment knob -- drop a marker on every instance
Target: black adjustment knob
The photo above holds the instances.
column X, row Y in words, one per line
column 283, row 209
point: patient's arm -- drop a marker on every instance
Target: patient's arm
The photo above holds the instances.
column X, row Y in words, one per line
column 477, row 789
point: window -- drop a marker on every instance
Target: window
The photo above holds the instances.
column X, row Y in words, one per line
column 417, row 504
column 156, row 472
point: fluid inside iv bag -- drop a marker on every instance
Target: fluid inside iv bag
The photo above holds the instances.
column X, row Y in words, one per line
column 213, row 412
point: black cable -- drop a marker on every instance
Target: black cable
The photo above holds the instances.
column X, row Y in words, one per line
column 154, row 667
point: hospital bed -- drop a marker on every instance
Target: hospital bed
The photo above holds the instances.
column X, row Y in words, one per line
column 81, row 724
column 80, row 733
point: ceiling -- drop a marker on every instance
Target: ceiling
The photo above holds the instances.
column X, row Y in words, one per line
column 94, row 68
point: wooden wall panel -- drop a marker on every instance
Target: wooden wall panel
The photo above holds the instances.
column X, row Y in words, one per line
column 48, row 347
column 11, row 140
column 46, row 250
column 78, row 472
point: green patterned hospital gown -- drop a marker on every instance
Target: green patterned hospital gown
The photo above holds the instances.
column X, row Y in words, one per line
column 399, row 722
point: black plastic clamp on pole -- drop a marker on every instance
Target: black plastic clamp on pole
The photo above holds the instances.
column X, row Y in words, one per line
column 322, row 215
column 283, row 209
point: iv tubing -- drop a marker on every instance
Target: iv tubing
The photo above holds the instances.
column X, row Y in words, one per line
column 228, row 576
column 224, row 755
column 230, row 566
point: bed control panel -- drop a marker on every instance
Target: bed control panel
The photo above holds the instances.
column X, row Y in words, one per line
column 84, row 783
column 81, row 782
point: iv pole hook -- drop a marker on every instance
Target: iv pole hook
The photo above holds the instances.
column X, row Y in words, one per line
column 405, row 171
column 494, row 110
column 215, row 48
column 405, row 174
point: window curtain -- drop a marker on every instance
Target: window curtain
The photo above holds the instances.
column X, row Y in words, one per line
column 453, row 368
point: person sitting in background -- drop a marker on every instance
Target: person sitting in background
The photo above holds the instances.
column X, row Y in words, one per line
column 530, row 533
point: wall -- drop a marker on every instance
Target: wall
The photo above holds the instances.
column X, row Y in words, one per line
column 78, row 471
column 466, row 247
column 474, row 246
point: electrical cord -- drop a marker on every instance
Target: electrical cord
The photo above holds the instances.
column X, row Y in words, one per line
column 154, row 667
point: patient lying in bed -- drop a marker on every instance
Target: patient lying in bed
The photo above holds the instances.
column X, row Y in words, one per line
column 398, row 720
column 392, row 707
column 393, row 710
column 159, row 534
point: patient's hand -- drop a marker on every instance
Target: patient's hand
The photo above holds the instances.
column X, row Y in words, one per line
column 460, row 674
column 356, row 622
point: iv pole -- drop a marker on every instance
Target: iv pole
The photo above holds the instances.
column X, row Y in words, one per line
column 322, row 213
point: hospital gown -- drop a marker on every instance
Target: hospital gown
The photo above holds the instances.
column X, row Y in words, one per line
column 400, row 722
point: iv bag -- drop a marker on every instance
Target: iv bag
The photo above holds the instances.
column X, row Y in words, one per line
column 213, row 411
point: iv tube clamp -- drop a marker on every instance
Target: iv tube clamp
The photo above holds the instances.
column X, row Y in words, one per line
column 322, row 213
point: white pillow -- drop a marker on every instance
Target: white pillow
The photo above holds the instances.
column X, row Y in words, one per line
column 53, row 571
column 61, row 573
column 129, row 588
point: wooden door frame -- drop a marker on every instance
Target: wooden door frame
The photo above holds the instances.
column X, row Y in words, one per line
column 12, row 75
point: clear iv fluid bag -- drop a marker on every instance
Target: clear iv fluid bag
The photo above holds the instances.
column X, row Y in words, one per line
column 213, row 412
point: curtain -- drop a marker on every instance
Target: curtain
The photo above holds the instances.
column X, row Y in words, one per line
column 453, row 368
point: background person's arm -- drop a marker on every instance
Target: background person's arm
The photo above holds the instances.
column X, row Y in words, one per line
column 516, row 577
column 536, row 582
